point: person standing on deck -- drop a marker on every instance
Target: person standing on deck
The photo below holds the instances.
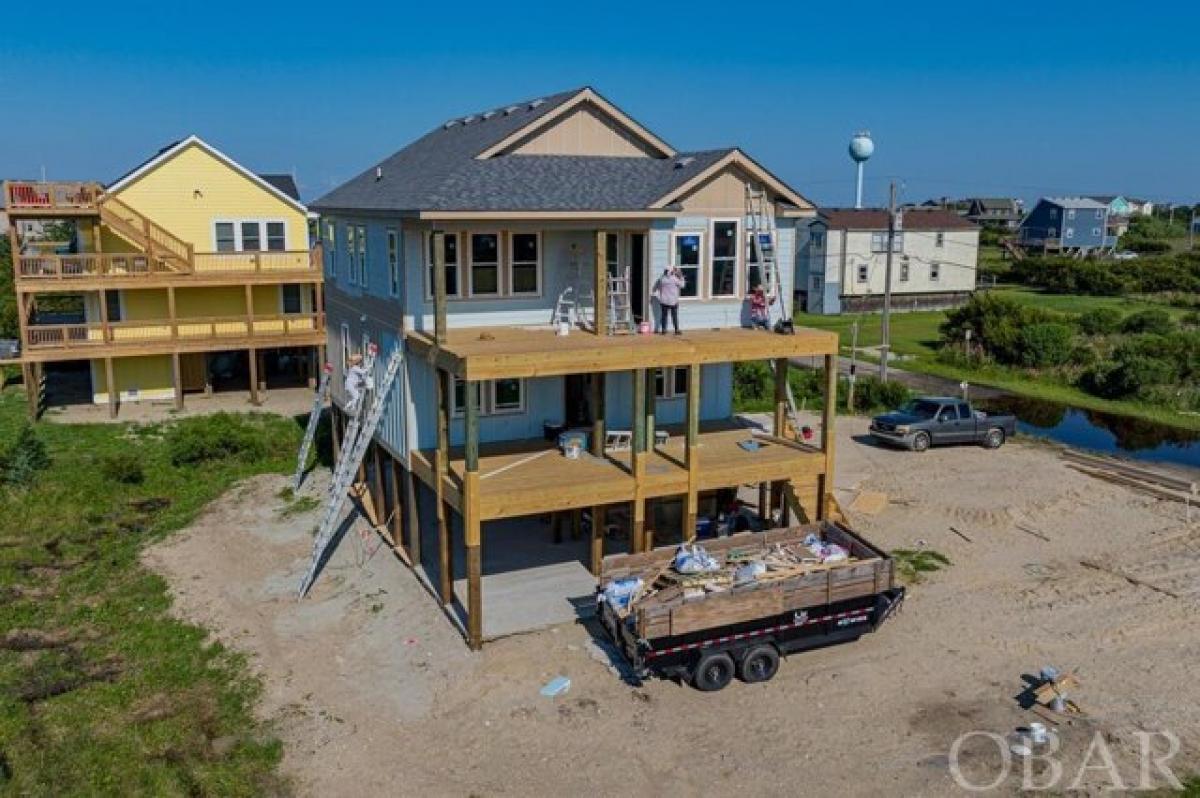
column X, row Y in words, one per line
column 668, row 290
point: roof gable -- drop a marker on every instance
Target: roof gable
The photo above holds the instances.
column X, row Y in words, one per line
column 167, row 153
column 589, row 111
column 734, row 158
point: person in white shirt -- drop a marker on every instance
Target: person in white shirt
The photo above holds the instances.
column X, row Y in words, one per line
column 356, row 382
column 668, row 290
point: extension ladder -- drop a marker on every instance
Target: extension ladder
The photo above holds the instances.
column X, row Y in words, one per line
column 314, row 420
column 762, row 234
column 357, row 441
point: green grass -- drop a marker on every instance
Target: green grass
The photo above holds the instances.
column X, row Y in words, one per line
column 916, row 336
column 913, row 564
column 103, row 692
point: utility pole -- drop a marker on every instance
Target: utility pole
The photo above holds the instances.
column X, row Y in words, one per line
column 853, row 365
column 885, row 323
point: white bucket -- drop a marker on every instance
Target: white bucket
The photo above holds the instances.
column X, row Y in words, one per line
column 564, row 328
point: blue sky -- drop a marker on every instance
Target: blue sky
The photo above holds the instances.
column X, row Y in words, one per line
column 962, row 98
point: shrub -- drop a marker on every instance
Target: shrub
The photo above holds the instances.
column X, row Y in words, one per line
column 216, row 437
column 124, row 467
column 1129, row 372
column 1155, row 321
column 995, row 322
column 871, row 393
column 1045, row 344
column 21, row 461
column 1101, row 321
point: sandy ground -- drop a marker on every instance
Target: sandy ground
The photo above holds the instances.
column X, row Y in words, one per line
column 372, row 689
column 281, row 401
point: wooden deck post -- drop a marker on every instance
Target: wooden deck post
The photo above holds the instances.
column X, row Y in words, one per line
column 651, row 406
column 31, row 388
column 438, row 240
column 414, row 516
column 601, row 287
column 598, row 519
column 779, row 428
column 111, row 382
column 378, row 494
column 692, row 451
column 177, row 378
column 828, row 436
column 638, row 460
column 445, row 395
column 397, row 511
column 104, row 328
column 253, row 358
column 335, row 425
column 598, row 413
column 472, row 537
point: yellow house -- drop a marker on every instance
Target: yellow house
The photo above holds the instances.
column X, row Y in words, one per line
column 188, row 274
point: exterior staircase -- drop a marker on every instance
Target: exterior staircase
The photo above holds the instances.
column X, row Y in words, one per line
column 153, row 239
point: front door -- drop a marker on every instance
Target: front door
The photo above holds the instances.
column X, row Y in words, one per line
column 637, row 276
column 577, row 400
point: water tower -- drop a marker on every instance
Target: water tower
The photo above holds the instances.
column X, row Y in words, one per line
column 861, row 148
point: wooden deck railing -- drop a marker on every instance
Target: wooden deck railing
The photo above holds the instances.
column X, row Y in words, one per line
column 180, row 330
column 29, row 195
column 91, row 265
column 151, row 236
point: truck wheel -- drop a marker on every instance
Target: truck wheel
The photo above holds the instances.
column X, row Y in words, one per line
column 713, row 671
column 760, row 664
column 994, row 438
column 920, row 442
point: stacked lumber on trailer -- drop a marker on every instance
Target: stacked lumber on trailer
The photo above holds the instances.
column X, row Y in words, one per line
column 673, row 604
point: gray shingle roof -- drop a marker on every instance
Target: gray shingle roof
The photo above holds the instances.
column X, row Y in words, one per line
column 284, row 183
column 1075, row 202
column 440, row 172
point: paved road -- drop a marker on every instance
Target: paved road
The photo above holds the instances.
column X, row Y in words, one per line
column 925, row 383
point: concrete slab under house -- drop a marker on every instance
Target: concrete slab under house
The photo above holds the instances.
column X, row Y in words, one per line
column 515, row 256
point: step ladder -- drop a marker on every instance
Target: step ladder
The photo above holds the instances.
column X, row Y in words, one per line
column 358, row 438
column 762, row 235
column 620, row 315
column 564, row 309
column 314, row 420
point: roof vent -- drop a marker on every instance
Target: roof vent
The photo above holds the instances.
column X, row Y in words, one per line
column 450, row 124
column 489, row 114
column 468, row 119
column 511, row 109
column 536, row 103
column 684, row 161
column 379, row 173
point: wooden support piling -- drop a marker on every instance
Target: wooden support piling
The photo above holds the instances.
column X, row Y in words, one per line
column 253, row 357
column 445, row 395
column 472, row 537
column 111, row 382
column 637, row 536
column 438, row 242
column 601, row 286
column 177, row 379
column 397, row 507
column 598, row 414
column 828, row 437
column 413, row 515
column 692, row 452
column 598, row 520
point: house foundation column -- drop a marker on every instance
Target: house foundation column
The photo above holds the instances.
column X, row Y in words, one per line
column 472, row 537
column 111, row 382
column 692, row 453
column 828, row 437
column 637, row 539
column 445, row 395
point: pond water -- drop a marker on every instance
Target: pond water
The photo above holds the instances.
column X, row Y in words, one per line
column 1132, row 438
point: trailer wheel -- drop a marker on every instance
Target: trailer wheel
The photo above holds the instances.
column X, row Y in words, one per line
column 760, row 664
column 713, row 671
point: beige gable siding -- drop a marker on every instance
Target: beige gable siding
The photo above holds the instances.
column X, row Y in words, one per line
column 724, row 192
column 584, row 131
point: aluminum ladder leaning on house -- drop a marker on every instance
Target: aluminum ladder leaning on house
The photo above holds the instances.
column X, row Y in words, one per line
column 358, row 438
column 620, row 316
column 314, row 420
column 761, row 235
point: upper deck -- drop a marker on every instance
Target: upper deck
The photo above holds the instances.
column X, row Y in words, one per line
column 40, row 199
column 486, row 353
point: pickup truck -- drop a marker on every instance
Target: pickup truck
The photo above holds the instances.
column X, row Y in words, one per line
column 930, row 420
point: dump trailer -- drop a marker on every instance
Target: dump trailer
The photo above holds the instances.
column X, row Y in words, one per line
column 764, row 596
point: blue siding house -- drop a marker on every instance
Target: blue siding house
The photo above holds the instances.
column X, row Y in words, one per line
column 531, row 210
column 1069, row 225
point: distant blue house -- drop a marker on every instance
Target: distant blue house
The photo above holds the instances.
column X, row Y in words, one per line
column 1070, row 225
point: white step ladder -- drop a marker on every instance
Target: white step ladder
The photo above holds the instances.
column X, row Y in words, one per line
column 358, row 439
column 314, row 420
column 620, row 316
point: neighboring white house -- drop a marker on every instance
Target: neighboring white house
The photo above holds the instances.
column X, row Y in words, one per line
column 842, row 260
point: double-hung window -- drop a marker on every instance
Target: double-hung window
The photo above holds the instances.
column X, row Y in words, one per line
column 291, row 298
column 226, row 237
column 329, row 247
column 1070, row 213
column 276, row 237
column 525, row 263
column 863, row 272
column 724, row 259
column 450, row 257
column 904, row 272
column 935, row 271
column 670, row 383
column 879, row 242
column 754, row 271
column 685, row 256
column 612, row 253
column 351, row 247
column 940, row 240
column 360, row 237
column 393, row 258
column 494, row 397
column 485, row 264
column 250, row 235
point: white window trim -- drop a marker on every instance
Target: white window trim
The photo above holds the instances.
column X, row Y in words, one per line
column 487, row 400
column 345, row 347
column 511, row 265
column 1070, row 213
column 935, row 272
column 940, row 239
column 361, row 253
column 1070, row 232
column 739, row 275
column 471, row 264
column 427, row 240
column 669, row 393
column 862, row 273
column 330, row 248
column 745, row 256
column 701, row 272
column 393, row 255
column 237, row 233
column 349, row 249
